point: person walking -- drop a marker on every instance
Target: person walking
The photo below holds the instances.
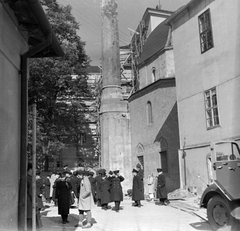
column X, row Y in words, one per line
column 75, row 182
column 105, row 191
column 46, row 189
column 161, row 188
column 98, row 185
column 150, row 181
column 116, row 189
column 140, row 173
column 39, row 191
column 137, row 190
column 86, row 202
column 63, row 190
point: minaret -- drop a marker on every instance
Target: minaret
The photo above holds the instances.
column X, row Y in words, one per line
column 114, row 117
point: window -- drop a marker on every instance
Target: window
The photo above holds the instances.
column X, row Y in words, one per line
column 153, row 74
column 149, row 113
column 205, row 30
column 211, row 105
column 141, row 160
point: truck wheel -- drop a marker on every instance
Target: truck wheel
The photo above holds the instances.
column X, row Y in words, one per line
column 219, row 214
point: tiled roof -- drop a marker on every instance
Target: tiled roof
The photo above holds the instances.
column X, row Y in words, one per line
column 155, row 42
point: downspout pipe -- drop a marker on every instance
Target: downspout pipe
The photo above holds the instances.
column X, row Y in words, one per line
column 22, row 210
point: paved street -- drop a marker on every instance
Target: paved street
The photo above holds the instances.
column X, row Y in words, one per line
column 149, row 217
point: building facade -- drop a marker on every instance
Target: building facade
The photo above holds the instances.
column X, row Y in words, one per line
column 206, row 50
column 153, row 109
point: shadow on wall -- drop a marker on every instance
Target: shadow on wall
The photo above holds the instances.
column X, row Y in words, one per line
column 170, row 132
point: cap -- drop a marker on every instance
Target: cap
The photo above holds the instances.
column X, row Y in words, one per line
column 90, row 173
column 116, row 171
column 138, row 165
column 159, row 170
column 134, row 170
column 110, row 172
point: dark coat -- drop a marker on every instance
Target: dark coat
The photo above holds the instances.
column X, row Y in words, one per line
column 116, row 188
column 98, row 186
column 46, row 189
column 161, row 187
column 75, row 182
column 93, row 185
column 137, row 189
column 105, row 191
column 141, row 176
column 63, row 189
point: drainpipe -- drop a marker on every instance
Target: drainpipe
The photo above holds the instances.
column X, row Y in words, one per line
column 22, row 210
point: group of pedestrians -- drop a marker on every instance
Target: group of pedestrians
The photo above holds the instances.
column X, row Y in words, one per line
column 94, row 188
column 156, row 187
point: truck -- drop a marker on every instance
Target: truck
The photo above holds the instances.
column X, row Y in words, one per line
column 222, row 196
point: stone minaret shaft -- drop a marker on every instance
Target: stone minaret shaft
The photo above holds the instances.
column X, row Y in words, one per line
column 114, row 117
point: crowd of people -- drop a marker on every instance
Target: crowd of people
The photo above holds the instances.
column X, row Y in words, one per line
column 86, row 189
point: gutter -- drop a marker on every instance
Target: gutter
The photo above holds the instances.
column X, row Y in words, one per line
column 51, row 40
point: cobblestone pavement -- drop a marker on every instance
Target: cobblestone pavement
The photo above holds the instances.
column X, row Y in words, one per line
column 150, row 217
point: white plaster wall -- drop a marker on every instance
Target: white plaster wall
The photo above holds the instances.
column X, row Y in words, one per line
column 196, row 72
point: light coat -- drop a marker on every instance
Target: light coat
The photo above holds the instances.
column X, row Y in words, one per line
column 85, row 196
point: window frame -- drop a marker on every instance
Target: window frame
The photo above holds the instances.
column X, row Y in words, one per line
column 211, row 105
column 149, row 113
column 153, row 74
column 205, row 31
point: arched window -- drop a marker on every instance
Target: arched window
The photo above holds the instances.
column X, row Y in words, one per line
column 149, row 113
column 153, row 74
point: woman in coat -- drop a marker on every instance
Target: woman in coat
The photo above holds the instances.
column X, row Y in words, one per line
column 63, row 190
column 86, row 202
column 116, row 189
column 137, row 190
column 161, row 188
column 105, row 191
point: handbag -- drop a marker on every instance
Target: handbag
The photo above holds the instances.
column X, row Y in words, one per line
column 72, row 198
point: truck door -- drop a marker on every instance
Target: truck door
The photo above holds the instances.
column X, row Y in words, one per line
column 226, row 166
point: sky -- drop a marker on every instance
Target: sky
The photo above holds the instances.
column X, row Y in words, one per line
column 130, row 12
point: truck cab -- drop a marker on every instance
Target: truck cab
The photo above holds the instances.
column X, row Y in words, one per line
column 222, row 197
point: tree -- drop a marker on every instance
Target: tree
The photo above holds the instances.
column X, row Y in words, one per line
column 57, row 85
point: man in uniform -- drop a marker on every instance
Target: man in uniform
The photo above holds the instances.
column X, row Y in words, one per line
column 161, row 188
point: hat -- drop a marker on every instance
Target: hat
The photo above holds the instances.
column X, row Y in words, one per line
column 138, row 165
column 116, row 171
column 66, row 172
column 110, row 172
column 90, row 173
column 134, row 170
column 159, row 170
column 80, row 172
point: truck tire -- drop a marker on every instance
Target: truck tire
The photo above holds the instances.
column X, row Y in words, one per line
column 219, row 214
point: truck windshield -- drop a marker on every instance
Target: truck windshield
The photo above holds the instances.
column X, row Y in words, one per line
column 227, row 152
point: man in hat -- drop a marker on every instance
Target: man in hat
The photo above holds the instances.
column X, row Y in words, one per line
column 137, row 190
column 98, row 185
column 105, row 190
column 141, row 175
column 116, row 189
column 161, row 188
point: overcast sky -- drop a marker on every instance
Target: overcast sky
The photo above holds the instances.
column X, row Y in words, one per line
column 130, row 12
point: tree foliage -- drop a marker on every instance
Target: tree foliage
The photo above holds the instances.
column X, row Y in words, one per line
column 59, row 85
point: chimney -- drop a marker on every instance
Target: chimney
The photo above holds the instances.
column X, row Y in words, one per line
column 159, row 7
